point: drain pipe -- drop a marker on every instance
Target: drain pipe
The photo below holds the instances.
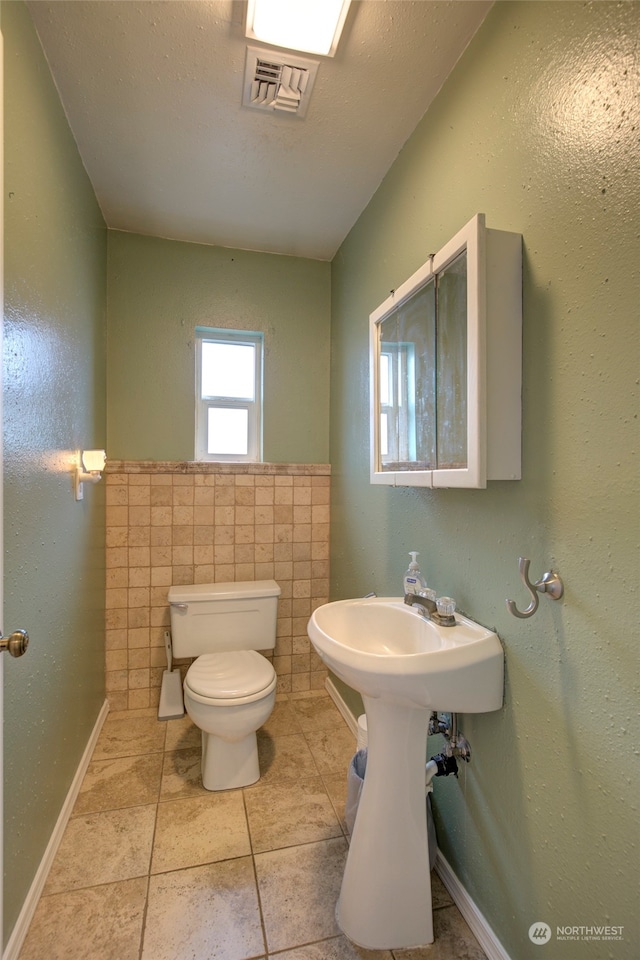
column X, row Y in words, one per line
column 440, row 766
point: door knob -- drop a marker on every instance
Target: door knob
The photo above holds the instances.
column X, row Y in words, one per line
column 16, row 643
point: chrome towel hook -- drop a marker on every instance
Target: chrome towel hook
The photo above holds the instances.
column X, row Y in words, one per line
column 550, row 583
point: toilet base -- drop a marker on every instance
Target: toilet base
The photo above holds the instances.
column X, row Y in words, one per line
column 229, row 764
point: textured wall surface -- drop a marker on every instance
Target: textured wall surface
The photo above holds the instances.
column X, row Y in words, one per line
column 54, row 405
column 160, row 291
column 538, row 128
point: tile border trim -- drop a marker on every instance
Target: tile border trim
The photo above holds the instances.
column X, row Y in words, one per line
column 192, row 467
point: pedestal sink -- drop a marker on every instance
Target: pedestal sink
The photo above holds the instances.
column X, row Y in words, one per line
column 404, row 666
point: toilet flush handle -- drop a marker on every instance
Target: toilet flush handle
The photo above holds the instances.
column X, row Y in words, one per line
column 180, row 606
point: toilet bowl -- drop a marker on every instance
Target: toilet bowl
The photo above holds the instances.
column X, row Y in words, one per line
column 229, row 696
column 230, row 688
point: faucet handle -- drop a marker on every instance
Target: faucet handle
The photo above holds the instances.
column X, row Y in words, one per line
column 446, row 606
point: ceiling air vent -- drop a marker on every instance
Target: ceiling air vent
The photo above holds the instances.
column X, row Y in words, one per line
column 278, row 81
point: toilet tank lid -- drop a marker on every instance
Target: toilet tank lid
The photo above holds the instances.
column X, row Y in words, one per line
column 192, row 593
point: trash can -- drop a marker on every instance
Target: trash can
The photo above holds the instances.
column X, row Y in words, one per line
column 355, row 781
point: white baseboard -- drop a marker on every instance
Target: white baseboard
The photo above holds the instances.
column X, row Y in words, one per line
column 19, row 932
column 476, row 921
column 347, row 716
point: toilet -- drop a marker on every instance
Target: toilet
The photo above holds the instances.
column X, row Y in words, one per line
column 230, row 688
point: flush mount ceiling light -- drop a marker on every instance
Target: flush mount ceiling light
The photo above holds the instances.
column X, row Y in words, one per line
column 313, row 26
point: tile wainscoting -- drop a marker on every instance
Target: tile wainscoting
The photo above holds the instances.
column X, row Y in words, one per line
column 175, row 523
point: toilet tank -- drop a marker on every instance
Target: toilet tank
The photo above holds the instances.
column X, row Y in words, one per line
column 219, row 617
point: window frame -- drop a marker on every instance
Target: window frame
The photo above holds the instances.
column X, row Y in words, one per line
column 253, row 406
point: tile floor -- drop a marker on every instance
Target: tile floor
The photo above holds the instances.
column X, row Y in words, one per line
column 153, row 867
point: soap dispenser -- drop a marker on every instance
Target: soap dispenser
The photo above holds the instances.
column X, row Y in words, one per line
column 414, row 582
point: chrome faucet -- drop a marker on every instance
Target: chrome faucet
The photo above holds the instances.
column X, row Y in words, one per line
column 429, row 609
column 428, row 605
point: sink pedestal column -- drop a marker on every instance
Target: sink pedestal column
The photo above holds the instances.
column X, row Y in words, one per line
column 385, row 901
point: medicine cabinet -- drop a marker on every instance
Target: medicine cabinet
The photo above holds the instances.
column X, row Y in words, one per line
column 446, row 366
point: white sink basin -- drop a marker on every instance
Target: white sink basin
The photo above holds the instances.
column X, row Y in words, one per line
column 404, row 666
column 384, row 648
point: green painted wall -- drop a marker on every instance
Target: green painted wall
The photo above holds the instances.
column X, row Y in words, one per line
column 54, row 404
column 538, row 129
column 160, row 291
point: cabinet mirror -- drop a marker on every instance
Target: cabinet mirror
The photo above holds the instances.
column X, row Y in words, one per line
column 437, row 343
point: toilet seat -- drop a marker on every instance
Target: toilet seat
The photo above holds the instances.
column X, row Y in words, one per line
column 238, row 677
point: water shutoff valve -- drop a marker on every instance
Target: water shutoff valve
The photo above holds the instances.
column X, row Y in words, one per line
column 462, row 748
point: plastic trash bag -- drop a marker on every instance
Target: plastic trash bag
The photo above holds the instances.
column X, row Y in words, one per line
column 355, row 781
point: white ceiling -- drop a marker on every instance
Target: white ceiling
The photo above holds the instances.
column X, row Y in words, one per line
column 153, row 94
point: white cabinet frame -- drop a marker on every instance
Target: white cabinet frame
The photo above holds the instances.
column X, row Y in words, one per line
column 493, row 363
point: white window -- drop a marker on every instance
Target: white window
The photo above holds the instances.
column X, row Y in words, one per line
column 228, row 395
column 397, row 402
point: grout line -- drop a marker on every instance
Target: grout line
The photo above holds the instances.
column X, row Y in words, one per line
column 255, row 880
column 143, row 925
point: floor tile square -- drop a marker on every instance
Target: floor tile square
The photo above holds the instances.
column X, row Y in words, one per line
column 121, row 782
column 440, row 896
column 299, row 888
column 336, row 787
column 453, row 940
column 102, row 922
column 204, row 913
column 182, row 774
column 200, row 830
column 338, row 948
column 318, row 713
column 182, row 734
column 128, row 736
column 332, row 749
column 285, row 758
column 102, row 848
column 284, row 814
column 282, row 722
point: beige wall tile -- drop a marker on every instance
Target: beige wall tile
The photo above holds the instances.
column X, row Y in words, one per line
column 116, row 660
column 161, row 496
column 161, row 536
column 161, row 576
column 169, row 527
column 117, row 577
column 183, row 574
column 138, row 617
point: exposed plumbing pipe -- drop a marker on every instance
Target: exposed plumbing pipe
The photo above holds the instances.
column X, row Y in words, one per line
column 455, row 744
column 444, row 766
column 430, row 771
